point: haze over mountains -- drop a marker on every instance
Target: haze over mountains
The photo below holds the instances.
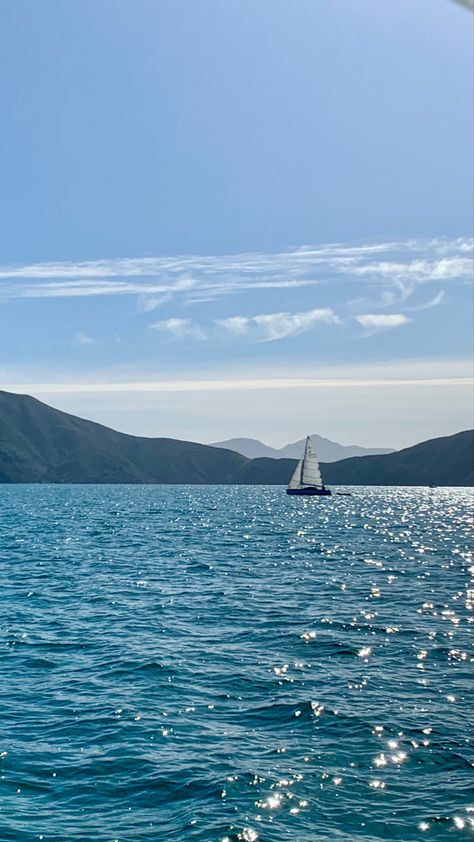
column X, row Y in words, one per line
column 42, row 444
column 327, row 450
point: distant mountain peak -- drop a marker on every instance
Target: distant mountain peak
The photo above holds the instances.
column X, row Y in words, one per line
column 328, row 451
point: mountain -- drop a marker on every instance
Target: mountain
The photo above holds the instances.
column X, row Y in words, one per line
column 328, row 451
column 251, row 448
column 442, row 461
column 42, row 444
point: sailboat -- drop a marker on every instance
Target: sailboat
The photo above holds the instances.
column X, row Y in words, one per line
column 307, row 477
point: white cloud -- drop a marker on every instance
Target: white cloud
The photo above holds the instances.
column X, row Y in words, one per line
column 147, row 303
column 419, row 271
column 413, row 373
column 236, row 325
column 83, row 338
column 433, row 302
column 245, row 263
column 179, row 328
column 400, row 266
column 233, row 385
column 271, row 326
column 382, row 320
column 280, row 325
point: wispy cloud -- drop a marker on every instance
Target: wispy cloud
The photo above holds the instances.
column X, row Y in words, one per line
column 427, row 305
column 83, row 338
column 419, row 271
column 235, row 325
column 396, row 280
column 179, row 328
column 148, row 303
column 234, row 384
column 271, row 326
column 246, row 263
column 266, row 327
column 381, row 321
column 398, row 267
column 453, row 372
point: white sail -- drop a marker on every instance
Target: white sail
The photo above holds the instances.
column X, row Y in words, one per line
column 295, row 480
column 311, row 473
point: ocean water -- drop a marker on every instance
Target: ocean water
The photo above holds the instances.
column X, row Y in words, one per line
column 229, row 663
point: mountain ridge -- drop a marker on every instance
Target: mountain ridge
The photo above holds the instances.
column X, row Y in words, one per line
column 328, row 451
column 40, row 444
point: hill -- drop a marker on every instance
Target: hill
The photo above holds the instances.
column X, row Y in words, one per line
column 42, row 444
column 328, row 451
column 442, row 461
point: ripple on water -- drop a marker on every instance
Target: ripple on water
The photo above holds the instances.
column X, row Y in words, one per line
column 227, row 663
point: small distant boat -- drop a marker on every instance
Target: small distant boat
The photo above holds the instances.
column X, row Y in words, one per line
column 344, row 493
column 307, row 477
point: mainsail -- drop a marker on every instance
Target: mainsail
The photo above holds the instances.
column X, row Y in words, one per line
column 307, row 471
column 311, row 474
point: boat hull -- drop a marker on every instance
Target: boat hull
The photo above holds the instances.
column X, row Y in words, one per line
column 309, row 492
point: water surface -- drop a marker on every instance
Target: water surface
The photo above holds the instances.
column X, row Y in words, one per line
column 228, row 663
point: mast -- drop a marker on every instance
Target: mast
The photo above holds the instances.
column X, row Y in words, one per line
column 302, row 461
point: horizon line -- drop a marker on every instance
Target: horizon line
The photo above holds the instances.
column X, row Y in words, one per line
column 230, row 385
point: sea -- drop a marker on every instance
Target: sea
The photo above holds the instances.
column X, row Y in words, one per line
column 224, row 663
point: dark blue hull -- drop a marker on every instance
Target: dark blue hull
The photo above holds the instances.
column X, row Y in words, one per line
column 310, row 492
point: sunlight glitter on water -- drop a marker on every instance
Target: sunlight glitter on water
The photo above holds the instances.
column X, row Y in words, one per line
column 211, row 663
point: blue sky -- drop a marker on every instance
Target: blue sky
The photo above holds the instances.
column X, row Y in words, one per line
column 241, row 218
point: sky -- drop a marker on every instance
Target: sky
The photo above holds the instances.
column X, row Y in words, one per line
column 250, row 218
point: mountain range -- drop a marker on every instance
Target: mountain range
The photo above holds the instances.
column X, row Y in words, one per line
column 327, row 450
column 42, row 444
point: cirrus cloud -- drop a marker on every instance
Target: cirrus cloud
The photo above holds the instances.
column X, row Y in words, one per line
column 398, row 268
column 83, row 338
column 377, row 321
column 267, row 327
column 179, row 328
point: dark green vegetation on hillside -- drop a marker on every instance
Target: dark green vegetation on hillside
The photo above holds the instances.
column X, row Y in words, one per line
column 443, row 461
column 42, row 444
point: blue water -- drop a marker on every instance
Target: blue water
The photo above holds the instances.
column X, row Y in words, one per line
column 229, row 663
